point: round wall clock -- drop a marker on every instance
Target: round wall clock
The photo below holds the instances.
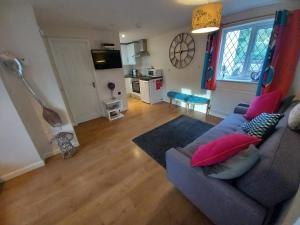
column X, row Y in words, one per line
column 182, row 50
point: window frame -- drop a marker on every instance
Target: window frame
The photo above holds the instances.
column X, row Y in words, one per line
column 255, row 25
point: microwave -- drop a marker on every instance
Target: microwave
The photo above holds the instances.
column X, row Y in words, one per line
column 154, row 72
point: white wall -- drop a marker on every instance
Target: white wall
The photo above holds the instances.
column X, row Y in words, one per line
column 18, row 153
column 186, row 80
column 20, row 35
column 95, row 37
column 228, row 94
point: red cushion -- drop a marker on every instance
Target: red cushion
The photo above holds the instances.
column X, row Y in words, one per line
column 222, row 149
column 267, row 103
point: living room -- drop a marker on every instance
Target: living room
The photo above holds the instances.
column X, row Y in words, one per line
column 214, row 142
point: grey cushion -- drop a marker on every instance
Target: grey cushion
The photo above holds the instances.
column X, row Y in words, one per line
column 286, row 103
column 235, row 166
column 294, row 118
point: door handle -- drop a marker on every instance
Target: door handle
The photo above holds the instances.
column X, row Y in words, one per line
column 93, row 84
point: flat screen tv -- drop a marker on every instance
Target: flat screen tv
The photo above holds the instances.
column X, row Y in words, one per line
column 106, row 59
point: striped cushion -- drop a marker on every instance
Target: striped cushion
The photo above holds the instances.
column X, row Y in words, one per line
column 246, row 126
column 262, row 125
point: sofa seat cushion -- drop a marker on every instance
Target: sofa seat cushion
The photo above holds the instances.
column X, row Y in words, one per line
column 275, row 178
column 231, row 124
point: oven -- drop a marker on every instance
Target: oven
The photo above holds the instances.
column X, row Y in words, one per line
column 135, row 85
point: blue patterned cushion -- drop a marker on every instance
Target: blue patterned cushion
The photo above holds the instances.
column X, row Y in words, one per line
column 262, row 125
column 246, row 126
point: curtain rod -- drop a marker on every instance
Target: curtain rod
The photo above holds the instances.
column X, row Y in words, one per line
column 248, row 19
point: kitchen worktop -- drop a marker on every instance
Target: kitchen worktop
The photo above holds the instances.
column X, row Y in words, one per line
column 129, row 76
column 146, row 78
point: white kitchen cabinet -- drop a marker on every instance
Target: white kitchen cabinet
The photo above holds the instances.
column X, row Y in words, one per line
column 128, row 85
column 145, row 93
column 149, row 92
column 124, row 55
column 156, row 94
column 131, row 54
column 128, row 52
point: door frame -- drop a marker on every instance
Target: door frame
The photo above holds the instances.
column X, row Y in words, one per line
column 58, row 76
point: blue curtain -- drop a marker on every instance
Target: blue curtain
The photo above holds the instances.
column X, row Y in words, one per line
column 271, row 58
column 208, row 81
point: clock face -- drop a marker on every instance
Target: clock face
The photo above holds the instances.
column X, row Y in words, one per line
column 182, row 50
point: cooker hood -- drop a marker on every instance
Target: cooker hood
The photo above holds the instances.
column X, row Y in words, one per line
column 141, row 48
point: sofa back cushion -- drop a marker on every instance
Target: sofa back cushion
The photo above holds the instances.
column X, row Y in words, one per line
column 275, row 177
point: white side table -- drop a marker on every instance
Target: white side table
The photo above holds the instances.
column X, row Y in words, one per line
column 113, row 108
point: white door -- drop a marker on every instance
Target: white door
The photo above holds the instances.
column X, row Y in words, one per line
column 74, row 65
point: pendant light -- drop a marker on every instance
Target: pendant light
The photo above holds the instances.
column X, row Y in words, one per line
column 207, row 18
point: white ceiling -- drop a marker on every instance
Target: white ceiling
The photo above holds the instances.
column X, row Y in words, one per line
column 135, row 18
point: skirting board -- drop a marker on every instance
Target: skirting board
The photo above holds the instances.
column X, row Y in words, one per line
column 52, row 153
column 21, row 171
column 56, row 151
column 210, row 112
column 217, row 114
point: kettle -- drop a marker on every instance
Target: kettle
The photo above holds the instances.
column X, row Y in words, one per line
column 134, row 72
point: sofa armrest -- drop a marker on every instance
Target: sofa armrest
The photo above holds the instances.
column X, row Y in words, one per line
column 243, row 104
column 219, row 200
column 241, row 108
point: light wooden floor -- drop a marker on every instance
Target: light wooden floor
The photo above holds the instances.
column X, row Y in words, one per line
column 109, row 181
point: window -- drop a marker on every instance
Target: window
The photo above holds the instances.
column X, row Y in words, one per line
column 243, row 50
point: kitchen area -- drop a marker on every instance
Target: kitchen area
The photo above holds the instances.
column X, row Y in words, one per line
column 144, row 83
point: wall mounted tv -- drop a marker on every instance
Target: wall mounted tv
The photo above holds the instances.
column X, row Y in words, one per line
column 106, row 59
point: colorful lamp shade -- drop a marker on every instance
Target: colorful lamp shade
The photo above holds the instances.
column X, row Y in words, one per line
column 207, row 18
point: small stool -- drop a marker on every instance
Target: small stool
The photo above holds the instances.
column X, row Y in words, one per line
column 189, row 100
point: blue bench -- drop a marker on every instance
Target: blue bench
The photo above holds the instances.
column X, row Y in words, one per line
column 189, row 100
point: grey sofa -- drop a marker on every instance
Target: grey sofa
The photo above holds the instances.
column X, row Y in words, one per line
column 250, row 199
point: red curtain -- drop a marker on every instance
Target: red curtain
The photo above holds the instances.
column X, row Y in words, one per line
column 209, row 73
column 280, row 72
